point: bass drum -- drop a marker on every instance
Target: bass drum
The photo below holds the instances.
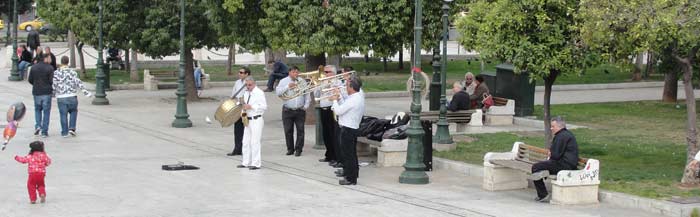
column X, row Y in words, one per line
column 228, row 112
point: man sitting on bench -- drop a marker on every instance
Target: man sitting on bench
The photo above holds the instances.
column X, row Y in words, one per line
column 563, row 155
column 460, row 99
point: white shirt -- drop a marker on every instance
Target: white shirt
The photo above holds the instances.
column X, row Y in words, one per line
column 237, row 86
column 697, row 156
column 326, row 102
column 350, row 112
column 256, row 99
column 295, row 103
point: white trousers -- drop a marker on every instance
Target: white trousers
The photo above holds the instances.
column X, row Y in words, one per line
column 251, row 143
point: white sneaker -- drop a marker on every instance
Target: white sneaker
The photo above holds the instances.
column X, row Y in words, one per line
column 72, row 132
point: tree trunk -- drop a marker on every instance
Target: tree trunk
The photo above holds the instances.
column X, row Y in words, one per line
column 83, row 73
column 637, row 73
column 189, row 76
column 281, row 55
column 401, row 58
column 269, row 56
column 366, row 58
column 231, row 59
column 548, row 82
column 331, row 60
column 692, row 140
column 670, row 94
column 650, row 65
column 134, row 73
column 127, row 58
column 71, row 42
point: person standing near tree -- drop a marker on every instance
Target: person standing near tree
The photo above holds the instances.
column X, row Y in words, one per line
column 238, row 127
column 293, row 112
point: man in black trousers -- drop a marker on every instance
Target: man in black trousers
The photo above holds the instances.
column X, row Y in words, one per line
column 293, row 112
column 350, row 112
column 563, row 155
column 329, row 123
column 238, row 127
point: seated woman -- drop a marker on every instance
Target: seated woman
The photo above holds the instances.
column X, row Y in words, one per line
column 478, row 97
column 460, row 99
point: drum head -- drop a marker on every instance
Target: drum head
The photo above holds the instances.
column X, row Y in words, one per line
column 228, row 112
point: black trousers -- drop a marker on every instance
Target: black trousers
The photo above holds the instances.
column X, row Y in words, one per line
column 330, row 134
column 553, row 166
column 348, row 142
column 290, row 119
column 238, row 137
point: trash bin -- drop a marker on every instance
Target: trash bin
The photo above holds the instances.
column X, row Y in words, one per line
column 517, row 87
column 427, row 144
column 490, row 80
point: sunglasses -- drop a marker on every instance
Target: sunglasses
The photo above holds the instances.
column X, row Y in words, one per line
column 241, row 72
column 328, row 71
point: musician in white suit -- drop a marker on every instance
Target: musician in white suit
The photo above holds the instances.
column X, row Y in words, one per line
column 236, row 93
column 254, row 105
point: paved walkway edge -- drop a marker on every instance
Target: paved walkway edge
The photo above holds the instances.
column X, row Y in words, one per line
column 665, row 208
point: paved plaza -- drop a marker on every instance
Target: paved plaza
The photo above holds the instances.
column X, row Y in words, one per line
column 112, row 168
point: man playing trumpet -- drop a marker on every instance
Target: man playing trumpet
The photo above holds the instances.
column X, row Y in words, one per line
column 350, row 112
column 293, row 112
column 330, row 125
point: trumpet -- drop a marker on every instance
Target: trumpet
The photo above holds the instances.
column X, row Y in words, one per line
column 308, row 83
column 328, row 93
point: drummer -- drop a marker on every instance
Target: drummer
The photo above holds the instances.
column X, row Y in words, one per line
column 293, row 111
column 238, row 128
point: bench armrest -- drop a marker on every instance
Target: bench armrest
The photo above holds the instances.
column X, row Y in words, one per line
column 502, row 155
column 589, row 175
column 507, row 109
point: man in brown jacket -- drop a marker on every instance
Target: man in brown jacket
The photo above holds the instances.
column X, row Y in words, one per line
column 479, row 92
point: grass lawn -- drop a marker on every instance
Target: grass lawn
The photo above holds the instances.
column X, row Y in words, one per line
column 394, row 79
column 641, row 145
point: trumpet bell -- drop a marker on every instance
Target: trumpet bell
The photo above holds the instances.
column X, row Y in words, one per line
column 228, row 112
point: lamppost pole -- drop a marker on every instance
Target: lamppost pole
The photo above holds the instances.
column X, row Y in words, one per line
column 442, row 136
column 181, row 117
column 414, row 172
column 14, row 74
column 100, row 96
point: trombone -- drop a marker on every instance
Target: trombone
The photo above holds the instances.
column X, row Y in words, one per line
column 331, row 83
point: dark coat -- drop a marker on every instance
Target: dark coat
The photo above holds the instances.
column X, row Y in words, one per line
column 460, row 101
column 41, row 78
column 478, row 95
column 33, row 39
column 564, row 149
column 26, row 56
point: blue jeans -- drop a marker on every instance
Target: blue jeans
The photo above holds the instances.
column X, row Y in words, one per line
column 42, row 113
column 23, row 68
column 68, row 106
column 271, row 80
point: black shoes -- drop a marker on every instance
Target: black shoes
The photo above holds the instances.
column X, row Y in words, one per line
column 253, row 168
column 323, row 160
column 297, row 154
column 290, row 152
column 346, row 182
column 233, row 154
column 337, row 165
column 36, row 131
column 542, row 199
column 241, row 166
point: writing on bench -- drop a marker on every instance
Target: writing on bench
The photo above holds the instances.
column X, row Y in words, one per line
column 509, row 170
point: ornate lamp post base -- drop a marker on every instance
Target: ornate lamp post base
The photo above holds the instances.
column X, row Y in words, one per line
column 100, row 101
column 182, row 122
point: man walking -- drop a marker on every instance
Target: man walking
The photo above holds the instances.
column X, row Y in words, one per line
column 293, row 113
column 563, row 155
column 350, row 113
column 65, row 86
column 254, row 106
column 41, row 78
column 33, row 41
column 238, row 127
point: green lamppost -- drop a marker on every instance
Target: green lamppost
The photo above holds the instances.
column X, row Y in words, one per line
column 319, row 134
column 14, row 74
column 181, row 117
column 442, row 136
column 414, row 172
column 100, row 96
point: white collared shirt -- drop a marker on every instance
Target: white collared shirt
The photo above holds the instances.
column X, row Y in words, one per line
column 297, row 102
column 237, row 86
column 256, row 99
column 350, row 112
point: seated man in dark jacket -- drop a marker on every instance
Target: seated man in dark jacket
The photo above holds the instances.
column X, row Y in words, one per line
column 460, row 99
column 563, row 155
column 279, row 71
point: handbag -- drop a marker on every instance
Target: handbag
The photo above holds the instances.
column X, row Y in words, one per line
column 488, row 100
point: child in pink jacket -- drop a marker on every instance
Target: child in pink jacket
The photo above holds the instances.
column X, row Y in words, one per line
column 38, row 161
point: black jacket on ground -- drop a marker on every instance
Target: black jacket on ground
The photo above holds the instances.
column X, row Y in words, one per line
column 41, row 78
column 460, row 101
column 564, row 149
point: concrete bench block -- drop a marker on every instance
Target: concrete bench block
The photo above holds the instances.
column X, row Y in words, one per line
column 150, row 83
column 495, row 120
column 205, row 81
column 574, row 195
column 497, row 178
column 507, row 109
column 392, row 153
column 477, row 118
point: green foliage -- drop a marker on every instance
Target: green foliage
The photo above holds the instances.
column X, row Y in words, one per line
column 695, row 213
column 534, row 35
column 384, row 26
column 237, row 22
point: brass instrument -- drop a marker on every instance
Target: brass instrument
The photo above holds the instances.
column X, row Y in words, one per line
column 329, row 84
column 308, row 83
column 230, row 111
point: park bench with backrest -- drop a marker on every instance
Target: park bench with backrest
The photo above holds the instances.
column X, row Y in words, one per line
column 462, row 118
column 501, row 113
column 510, row 170
column 151, row 80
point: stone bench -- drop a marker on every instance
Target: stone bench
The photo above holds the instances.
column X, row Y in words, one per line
column 509, row 170
column 390, row 152
column 501, row 113
column 151, row 80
